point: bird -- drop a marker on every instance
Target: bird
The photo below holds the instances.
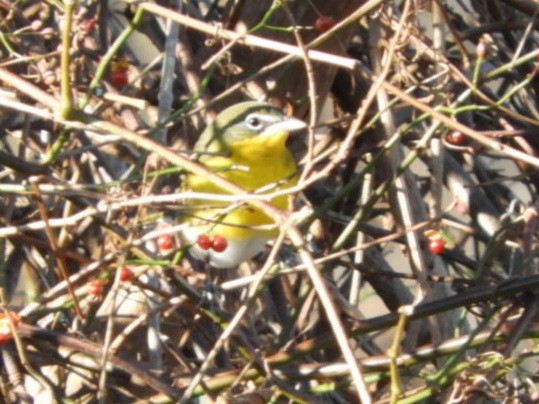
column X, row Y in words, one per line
column 246, row 144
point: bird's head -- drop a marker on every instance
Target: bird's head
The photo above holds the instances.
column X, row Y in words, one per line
column 243, row 123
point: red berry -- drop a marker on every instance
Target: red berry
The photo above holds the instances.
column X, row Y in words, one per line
column 95, row 288
column 324, row 23
column 204, row 242
column 125, row 274
column 5, row 329
column 118, row 73
column 455, row 137
column 164, row 242
column 437, row 246
column 219, row 244
column 118, row 78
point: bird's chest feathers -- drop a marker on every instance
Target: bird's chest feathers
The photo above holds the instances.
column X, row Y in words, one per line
column 252, row 164
column 260, row 161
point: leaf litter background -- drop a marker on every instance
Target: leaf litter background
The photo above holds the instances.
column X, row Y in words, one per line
column 106, row 314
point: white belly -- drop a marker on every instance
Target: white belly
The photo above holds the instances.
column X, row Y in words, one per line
column 236, row 252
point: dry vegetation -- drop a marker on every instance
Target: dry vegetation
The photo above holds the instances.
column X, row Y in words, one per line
column 408, row 270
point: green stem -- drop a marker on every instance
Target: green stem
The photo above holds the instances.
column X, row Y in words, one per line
column 274, row 6
column 111, row 53
column 66, row 106
column 394, row 351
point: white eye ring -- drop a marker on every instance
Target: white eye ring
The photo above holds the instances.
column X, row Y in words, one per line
column 254, row 122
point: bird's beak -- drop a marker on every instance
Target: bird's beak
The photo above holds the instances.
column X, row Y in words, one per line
column 287, row 125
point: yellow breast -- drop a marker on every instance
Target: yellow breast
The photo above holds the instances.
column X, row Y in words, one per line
column 260, row 162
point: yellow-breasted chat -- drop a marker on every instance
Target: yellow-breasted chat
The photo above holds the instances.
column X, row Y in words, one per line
column 246, row 144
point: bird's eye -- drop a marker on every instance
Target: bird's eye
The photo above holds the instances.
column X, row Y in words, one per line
column 253, row 122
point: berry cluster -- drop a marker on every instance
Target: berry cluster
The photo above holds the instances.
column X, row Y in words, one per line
column 215, row 242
